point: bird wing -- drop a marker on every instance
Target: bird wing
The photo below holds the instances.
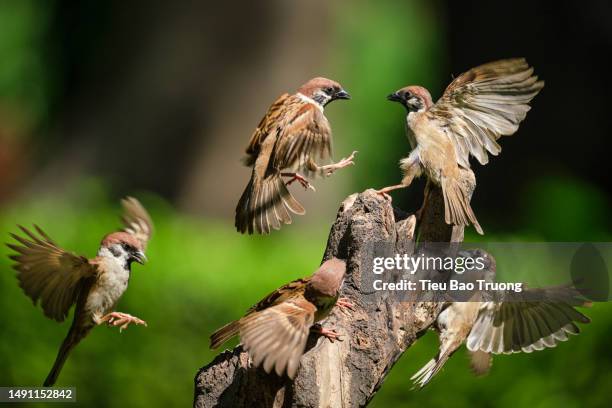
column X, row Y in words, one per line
column 304, row 134
column 48, row 273
column 136, row 220
column 268, row 124
column 281, row 294
column 515, row 326
column 485, row 103
column 277, row 336
column 278, row 296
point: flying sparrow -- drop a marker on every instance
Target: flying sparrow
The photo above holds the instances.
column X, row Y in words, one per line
column 477, row 108
column 290, row 137
column 275, row 330
column 58, row 278
column 527, row 321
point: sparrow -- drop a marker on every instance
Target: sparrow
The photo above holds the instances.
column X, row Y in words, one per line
column 476, row 109
column 275, row 330
column 58, row 279
column 531, row 320
column 290, row 137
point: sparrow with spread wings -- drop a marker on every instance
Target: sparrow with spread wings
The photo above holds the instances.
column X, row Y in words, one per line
column 276, row 329
column 531, row 320
column 290, row 137
column 58, row 279
column 477, row 108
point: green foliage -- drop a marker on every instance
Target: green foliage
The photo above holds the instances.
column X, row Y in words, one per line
column 200, row 275
column 381, row 47
column 574, row 374
column 24, row 72
column 566, row 209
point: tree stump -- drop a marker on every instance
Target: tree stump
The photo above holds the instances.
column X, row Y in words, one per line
column 345, row 373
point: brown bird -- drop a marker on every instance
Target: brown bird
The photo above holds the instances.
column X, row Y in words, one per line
column 477, row 108
column 290, row 137
column 275, row 330
column 526, row 321
column 58, row 278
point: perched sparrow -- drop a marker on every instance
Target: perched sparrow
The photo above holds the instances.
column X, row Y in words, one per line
column 58, row 278
column 477, row 108
column 521, row 323
column 290, row 137
column 275, row 330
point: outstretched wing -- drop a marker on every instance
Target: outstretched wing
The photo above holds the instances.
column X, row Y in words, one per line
column 278, row 296
column 515, row 326
column 277, row 336
column 268, row 124
column 282, row 294
column 485, row 103
column 304, row 134
column 48, row 273
column 136, row 220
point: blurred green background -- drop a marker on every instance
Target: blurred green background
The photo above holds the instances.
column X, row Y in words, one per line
column 103, row 99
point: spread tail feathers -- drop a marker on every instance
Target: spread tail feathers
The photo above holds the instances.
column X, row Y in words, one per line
column 457, row 209
column 224, row 334
column 265, row 204
column 425, row 374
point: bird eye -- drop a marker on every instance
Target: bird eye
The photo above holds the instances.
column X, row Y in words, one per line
column 126, row 247
column 329, row 90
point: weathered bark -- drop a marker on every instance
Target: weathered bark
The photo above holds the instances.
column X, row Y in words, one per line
column 346, row 373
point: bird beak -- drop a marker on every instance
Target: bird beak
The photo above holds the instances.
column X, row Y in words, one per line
column 140, row 257
column 342, row 94
column 394, row 97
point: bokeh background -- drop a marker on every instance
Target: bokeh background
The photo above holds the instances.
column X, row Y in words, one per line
column 99, row 99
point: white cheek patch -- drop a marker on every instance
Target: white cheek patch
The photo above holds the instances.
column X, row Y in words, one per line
column 114, row 251
column 309, row 100
column 323, row 96
column 416, row 102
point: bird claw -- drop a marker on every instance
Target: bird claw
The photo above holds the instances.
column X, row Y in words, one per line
column 347, row 161
column 344, row 304
column 302, row 180
column 123, row 320
column 384, row 194
column 330, row 334
column 344, row 162
column 385, row 191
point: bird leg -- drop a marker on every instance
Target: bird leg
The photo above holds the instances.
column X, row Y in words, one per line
column 300, row 179
column 345, row 303
column 328, row 333
column 345, row 306
column 385, row 191
column 122, row 320
column 411, row 168
column 329, row 169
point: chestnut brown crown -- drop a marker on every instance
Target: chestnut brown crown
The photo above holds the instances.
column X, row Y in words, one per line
column 414, row 98
column 121, row 237
column 323, row 90
column 129, row 244
column 329, row 277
